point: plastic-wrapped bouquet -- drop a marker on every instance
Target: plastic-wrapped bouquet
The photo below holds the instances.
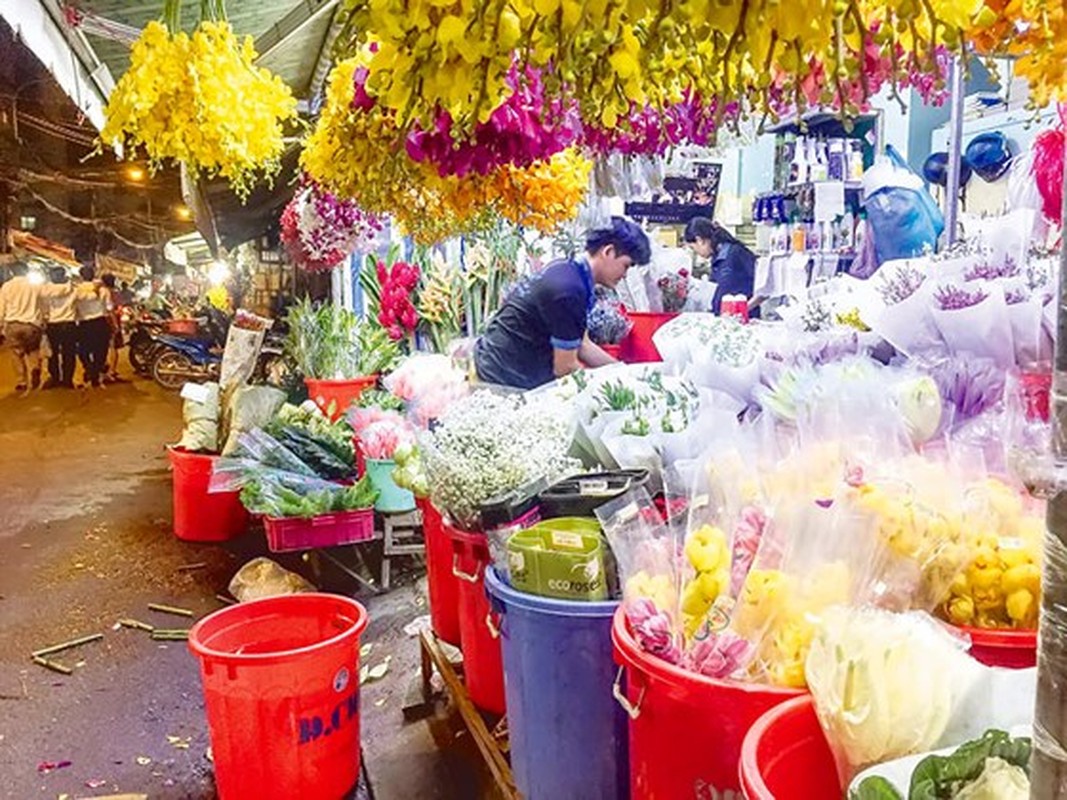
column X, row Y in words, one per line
column 382, row 438
column 607, row 322
column 674, row 290
column 488, row 444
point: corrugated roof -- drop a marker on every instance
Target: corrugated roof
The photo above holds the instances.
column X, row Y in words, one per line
column 289, row 34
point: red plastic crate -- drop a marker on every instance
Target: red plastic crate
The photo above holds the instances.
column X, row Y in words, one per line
column 328, row 530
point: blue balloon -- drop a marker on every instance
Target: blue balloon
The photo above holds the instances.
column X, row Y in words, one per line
column 935, row 169
column 989, row 155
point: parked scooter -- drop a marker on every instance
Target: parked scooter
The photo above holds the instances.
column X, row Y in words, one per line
column 179, row 360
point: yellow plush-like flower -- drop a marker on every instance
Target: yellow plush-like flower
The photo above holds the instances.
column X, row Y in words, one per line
column 200, row 100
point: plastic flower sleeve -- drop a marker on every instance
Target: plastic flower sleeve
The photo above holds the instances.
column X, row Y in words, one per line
column 828, row 557
column 885, row 685
column 645, row 553
column 907, row 321
column 975, row 320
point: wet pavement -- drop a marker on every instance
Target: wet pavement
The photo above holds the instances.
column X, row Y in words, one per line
column 85, row 540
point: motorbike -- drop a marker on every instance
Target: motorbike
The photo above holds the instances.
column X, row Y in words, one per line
column 141, row 342
column 179, row 360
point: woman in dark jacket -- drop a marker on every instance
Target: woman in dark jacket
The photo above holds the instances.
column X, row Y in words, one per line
column 733, row 266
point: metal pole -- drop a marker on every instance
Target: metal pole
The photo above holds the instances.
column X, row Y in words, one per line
column 955, row 150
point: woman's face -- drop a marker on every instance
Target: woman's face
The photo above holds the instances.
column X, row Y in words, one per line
column 702, row 247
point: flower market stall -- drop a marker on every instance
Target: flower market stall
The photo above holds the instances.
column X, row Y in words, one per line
column 823, row 524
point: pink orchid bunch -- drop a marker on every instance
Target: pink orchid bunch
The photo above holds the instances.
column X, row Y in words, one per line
column 320, row 230
column 380, row 440
column 720, row 655
column 524, row 129
column 653, row 629
column 397, row 313
column 645, row 131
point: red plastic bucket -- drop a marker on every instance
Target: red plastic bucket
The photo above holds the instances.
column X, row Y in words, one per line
column 483, row 667
column 338, row 393
column 786, row 756
column 201, row 516
column 1003, row 648
column 686, row 730
column 442, row 585
column 281, row 693
column 637, row 347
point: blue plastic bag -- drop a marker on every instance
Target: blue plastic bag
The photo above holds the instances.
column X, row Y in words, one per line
column 903, row 217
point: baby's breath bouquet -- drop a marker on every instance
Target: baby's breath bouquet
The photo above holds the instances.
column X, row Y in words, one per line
column 488, row 444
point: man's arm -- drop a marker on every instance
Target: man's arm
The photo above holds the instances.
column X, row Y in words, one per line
column 592, row 355
column 565, row 361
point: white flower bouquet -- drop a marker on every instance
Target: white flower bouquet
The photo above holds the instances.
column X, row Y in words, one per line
column 488, row 444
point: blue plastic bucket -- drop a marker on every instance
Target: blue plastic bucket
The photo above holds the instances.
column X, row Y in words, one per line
column 391, row 498
column 567, row 733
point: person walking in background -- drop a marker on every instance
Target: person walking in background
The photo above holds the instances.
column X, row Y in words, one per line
column 111, row 367
column 22, row 322
column 94, row 330
column 62, row 331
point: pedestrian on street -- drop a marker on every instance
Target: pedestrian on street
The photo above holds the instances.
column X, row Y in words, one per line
column 114, row 318
column 22, row 322
column 62, row 331
column 94, row 330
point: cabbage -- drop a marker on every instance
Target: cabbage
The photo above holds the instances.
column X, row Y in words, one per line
column 999, row 781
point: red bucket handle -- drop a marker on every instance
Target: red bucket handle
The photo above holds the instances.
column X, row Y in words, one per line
column 633, row 710
column 465, row 576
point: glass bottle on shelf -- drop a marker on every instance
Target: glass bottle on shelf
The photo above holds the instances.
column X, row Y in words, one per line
column 836, row 161
column 855, row 161
column 819, row 168
column 798, row 167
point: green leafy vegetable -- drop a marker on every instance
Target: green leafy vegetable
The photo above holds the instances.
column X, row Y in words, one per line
column 875, row 788
column 270, row 495
column 329, row 342
column 943, row 777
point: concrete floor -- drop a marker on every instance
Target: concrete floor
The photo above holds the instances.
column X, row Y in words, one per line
column 85, row 539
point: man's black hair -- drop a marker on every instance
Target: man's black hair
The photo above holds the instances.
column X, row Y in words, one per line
column 627, row 238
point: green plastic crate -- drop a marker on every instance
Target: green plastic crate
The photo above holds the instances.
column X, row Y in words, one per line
column 561, row 558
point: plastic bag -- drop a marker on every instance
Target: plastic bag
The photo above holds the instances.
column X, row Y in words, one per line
column 982, row 329
column 904, row 219
column 200, row 433
column 240, row 356
column 261, row 578
column 645, row 552
column 250, row 407
column 885, row 685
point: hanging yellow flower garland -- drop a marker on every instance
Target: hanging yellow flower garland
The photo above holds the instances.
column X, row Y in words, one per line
column 201, row 101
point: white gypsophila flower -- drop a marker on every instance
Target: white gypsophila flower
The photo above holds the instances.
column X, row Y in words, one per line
column 487, row 445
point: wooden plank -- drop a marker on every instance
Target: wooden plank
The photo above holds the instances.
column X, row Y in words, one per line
column 472, row 718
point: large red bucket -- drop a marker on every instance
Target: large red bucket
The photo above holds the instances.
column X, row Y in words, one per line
column 442, row 585
column 637, row 347
column 1013, row 649
column 199, row 515
column 685, row 730
column 483, row 667
column 335, row 396
column 281, row 692
column 786, row 756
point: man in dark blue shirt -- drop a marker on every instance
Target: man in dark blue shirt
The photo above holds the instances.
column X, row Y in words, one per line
column 539, row 334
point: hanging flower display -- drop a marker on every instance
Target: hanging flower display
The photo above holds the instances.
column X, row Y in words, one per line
column 397, row 313
column 320, row 230
column 644, row 131
column 454, row 56
column 200, row 100
column 525, row 128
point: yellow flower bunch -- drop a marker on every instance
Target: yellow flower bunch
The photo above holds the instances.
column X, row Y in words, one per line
column 779, row 613
column 1001, row 585
column 200, row 100
column 708, row 553
column 454, row 54
column 543, row 195
column 1033, row 30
